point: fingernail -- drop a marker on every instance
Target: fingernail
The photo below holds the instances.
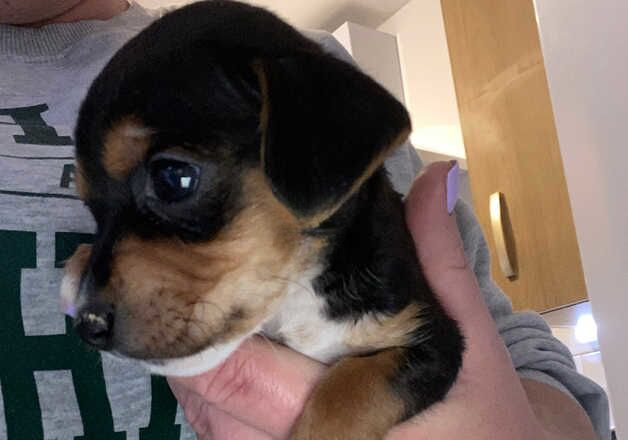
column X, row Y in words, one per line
column 69, row 309
column 452, row 186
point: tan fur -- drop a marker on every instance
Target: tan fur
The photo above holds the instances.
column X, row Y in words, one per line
column 353, row 401
column 76, row 264
column 125, row 145
column 72, row 277
column 376, row 332
column 82, row 188
column 174, row 298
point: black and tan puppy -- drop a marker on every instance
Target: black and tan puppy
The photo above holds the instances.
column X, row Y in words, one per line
column 235, row 173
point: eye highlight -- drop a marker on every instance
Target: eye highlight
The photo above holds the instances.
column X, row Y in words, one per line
column 174, row 180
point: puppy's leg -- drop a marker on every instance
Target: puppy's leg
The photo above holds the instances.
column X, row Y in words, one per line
column 355, row 400
column 364, row 397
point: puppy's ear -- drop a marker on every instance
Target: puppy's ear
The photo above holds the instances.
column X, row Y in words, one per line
column 326, row 128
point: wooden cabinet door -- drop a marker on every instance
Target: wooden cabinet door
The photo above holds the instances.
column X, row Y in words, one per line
column 512, row 146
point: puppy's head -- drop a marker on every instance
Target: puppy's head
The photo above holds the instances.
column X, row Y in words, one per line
column 207, row 148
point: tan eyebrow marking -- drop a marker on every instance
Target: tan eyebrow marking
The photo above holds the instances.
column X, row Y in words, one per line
column 126, row 144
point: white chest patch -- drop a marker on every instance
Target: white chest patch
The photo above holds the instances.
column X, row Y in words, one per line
column 301, row 324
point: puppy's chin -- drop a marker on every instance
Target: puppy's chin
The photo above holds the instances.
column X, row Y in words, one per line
column 197, row 363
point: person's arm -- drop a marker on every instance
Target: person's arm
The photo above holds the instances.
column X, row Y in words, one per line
column 560, row 415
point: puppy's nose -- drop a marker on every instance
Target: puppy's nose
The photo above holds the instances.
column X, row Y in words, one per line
column 94, row 324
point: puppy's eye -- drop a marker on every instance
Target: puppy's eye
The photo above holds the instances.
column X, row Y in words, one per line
column 174, row 180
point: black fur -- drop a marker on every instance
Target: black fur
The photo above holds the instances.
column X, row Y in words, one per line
column 328, row 122
column 370, row 255
column 372, row 268
column 311, row 145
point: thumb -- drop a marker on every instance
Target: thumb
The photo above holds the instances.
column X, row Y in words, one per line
column 440, row 248
column 488, row 386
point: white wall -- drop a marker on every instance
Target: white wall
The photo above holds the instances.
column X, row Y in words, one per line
column 376, row 53
column 427, row 78
column 315, row 14
column 585, row 45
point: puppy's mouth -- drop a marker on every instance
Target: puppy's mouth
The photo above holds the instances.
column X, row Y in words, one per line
column 159, row 334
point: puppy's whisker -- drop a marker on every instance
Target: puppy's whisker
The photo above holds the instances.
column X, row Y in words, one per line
column 289, row 281
column 200, row 325
column 213, row 304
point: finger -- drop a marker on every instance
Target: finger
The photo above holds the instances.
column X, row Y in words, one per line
column 263, row 385
column 225, row 427
column 210, row 422
column 194, row 408
column 222, row 426
column 440, row 249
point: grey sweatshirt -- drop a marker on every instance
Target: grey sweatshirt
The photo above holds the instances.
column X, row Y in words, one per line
column 52, row 386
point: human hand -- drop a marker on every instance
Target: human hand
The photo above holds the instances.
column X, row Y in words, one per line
column 259, row 391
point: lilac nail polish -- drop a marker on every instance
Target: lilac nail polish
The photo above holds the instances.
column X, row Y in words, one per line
column 70, row 310
column 452, row 187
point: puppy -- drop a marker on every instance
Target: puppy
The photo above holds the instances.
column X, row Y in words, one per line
column 234, row 170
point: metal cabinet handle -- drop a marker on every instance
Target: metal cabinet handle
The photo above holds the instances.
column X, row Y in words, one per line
column 496, row 207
